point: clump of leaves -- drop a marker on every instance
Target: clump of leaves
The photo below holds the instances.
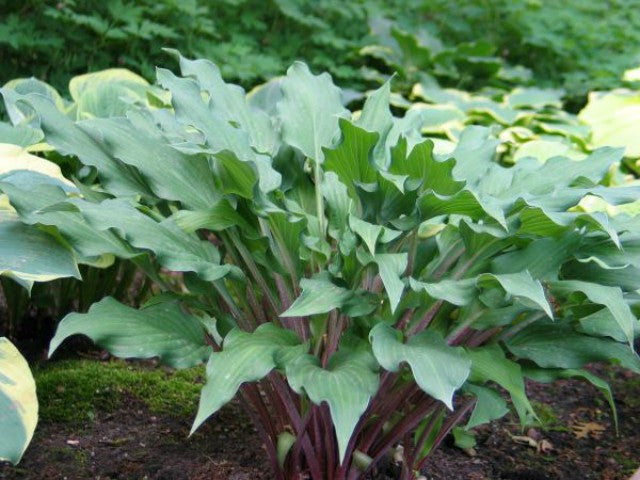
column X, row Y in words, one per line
column 355, row 292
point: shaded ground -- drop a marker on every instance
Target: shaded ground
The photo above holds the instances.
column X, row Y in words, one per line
column 123, row 425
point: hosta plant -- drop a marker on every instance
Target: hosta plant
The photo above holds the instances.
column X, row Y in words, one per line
column 354, row 292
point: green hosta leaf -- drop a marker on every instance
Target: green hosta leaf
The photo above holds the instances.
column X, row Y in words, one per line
column 346, row 385
column 230, row 102
column 610, row 297
column 522, row 286
column 161, row 330
column 222, row 138
column 43, row 204
column 376, row 115
column 30, row 255
column 169, row 173
column 490, row 364
column 422, row 167
column 391, row 267
column 457, row 292
column 351, row 159
column 319, row 295
column 69, row 139
column 542, row 258
column 245, row 357
column 22, row 135
column 18, row 403
column 553, row 345
column 367, row 231
column 175, row 249
column 309, row 110
column 465, row 203
column 438, row 369
column 462, row 292
column 217, row 217
column 603, row 324
column 489, row 406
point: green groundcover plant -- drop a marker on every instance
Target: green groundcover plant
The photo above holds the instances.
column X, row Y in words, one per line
column 357, row 292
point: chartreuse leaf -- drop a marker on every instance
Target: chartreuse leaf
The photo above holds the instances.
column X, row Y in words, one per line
column 438, row 368
column 556, row 345
column 245, row 357
column 609, row 297
column 15, row 159
column 613, row 117
column 489, row 406
column 18, row 403
column 161, row 330
column 319, row 295
column 107, row 93
column 548, row 376
column 28, row 255
column 490, row 364
column 346, row 385
column 309, row 110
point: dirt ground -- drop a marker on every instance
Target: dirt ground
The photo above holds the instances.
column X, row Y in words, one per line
column 576, row 441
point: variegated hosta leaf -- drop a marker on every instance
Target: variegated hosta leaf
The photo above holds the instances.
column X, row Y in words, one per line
column 17, row 166
column 437, row 368
column 18, row 403
column 107, row 93
column 613, row 118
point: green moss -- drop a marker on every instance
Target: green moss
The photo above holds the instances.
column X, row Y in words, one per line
column 74, row 390
column 547, row 418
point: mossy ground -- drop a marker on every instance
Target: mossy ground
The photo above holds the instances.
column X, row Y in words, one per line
column 75, row 390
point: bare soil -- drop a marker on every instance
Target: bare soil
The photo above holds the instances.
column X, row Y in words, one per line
column 577, row 441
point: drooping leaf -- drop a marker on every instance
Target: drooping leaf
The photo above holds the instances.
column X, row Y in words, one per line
column 490, row 364
column 609, row 297
column 161, row 330
column 27, row 254
column 489, row 406
column 555, row 345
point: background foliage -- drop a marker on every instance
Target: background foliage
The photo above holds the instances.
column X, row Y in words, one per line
column 580, row 45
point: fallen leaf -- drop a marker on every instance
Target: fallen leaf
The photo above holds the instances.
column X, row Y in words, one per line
column 73, row 442
column 588, row 429
column 544, row 446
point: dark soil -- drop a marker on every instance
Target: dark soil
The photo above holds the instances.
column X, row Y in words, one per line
column 132, row 443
